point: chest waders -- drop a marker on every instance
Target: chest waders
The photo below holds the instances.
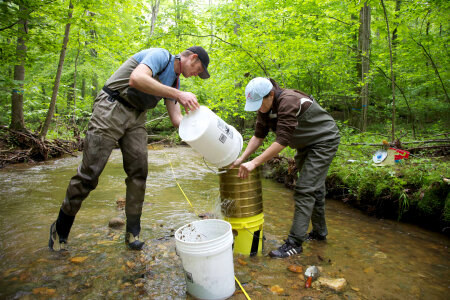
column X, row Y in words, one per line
column 316, row 139
column 115, row 120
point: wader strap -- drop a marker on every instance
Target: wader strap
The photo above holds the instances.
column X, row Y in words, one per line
column 255, row 243
column 305, row 103
column 116, row 96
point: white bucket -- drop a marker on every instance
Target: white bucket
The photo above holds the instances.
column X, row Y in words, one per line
column 205, row 249
column 209, row 135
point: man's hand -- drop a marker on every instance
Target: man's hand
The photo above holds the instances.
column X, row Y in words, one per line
column 236, row 163
column 188, row 100
column 245, row 169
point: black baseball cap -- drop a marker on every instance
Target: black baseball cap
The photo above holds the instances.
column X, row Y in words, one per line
column 204, row 58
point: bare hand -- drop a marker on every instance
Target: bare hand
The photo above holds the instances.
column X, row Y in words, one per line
column 236, row 163
column 189, row 101
column 245, row 169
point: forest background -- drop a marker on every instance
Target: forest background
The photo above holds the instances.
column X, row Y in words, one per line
column 379, row 67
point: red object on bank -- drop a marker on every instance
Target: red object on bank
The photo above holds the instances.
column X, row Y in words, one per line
column 401, row 154
column 308, row 282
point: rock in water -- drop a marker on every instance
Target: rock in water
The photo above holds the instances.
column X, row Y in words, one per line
column 295, row 269
column 337, row 284
column 121, row 203
column 207, row 215
column 116, row 222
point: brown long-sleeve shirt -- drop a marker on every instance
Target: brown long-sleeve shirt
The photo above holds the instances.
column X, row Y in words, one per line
column 282, row 119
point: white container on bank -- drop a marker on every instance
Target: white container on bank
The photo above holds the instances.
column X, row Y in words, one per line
column 218, row 142
column 205, row 249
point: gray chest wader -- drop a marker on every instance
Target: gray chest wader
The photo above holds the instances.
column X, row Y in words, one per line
column 316, row 139
column 110, row 124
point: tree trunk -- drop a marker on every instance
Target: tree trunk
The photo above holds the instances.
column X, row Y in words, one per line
column 364, row 50
column 62, row 55
column 394, row 57
column 74, row 94
column 17, row 120
column 177, row 18
column 392, row 71
column 83, row 88
column 155, row 10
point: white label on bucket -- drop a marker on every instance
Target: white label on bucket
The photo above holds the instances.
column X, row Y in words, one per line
column 224, row 128
column 223, row 138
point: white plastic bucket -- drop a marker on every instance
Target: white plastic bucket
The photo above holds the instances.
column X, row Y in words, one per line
column 218, row 142
column 205, row 249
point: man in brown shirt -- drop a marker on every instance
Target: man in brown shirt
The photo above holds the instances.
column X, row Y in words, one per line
column 300, row 123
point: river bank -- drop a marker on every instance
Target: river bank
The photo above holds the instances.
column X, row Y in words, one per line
column 422, row 200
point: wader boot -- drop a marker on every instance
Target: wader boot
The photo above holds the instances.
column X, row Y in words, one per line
column 59, row 232
column 132, row 232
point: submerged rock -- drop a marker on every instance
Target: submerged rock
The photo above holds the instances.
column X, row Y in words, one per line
column 78, row 259
column 276, row 289
column 295, row 269
column 121, row 203
column 116, row 222
column 44, row 291
column 208, row 215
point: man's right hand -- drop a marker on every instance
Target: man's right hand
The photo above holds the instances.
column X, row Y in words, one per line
column 189, row 101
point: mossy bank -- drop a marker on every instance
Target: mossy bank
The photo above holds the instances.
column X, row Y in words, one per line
column 415, row 190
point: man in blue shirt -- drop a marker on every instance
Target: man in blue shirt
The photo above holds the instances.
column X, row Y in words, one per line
column 119, row 115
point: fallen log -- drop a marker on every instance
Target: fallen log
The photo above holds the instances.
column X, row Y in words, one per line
column 403, row 143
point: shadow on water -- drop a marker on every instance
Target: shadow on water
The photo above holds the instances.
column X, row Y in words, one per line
column 379, row 259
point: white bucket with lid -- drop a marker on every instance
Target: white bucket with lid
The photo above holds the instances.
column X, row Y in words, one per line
column 218, row 142
column 205, row 249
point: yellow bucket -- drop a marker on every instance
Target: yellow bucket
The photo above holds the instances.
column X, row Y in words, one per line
column 248, row 234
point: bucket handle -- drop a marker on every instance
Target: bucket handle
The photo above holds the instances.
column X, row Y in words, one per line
column 215, row 172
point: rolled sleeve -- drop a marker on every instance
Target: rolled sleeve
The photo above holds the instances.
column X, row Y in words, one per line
column 262, row 127
column 155, row 59
column 261, row 131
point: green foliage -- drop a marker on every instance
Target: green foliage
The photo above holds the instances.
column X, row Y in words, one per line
column 307, row 45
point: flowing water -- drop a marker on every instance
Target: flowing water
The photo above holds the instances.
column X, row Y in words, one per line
column 380, row 259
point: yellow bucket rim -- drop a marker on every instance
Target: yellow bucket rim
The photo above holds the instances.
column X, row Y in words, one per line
column 248, row 222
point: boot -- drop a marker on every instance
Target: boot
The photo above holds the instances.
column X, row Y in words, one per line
column 132, row 232
column 133, row 242
column 59, row 232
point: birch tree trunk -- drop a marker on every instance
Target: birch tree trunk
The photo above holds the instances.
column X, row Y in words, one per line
column 364, row 50
column 155, row 10
column 62, row 56
column 392, row 71
column 17, row 120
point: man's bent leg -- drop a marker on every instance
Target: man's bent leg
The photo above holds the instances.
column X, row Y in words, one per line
column 97, row 149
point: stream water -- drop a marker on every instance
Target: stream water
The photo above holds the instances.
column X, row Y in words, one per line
column 380, row 259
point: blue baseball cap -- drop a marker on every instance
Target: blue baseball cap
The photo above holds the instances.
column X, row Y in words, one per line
column 255, row 91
